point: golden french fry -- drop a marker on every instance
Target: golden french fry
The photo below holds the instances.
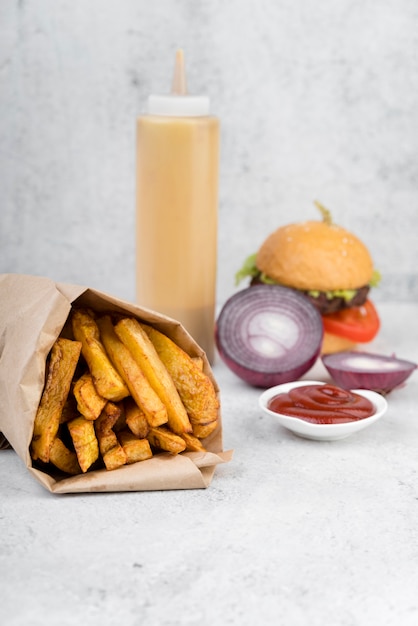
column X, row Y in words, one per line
column 204, row 430
column 62, row 363
column 135, row 448
column 193, row 444
column 164, row 439
column 85, row 442
column 114, row 457
column 198, row 361
column 89, row 403
column 69, row 410
column 107, row 380
column 135, row 419
column 143, row 351
column 121, row 421
column 107, row 418
column 109, row 446
column 194, row 386
column 63, row 458
column 136, row 381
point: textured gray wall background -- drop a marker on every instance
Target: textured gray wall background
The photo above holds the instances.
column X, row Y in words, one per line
column 316, row 100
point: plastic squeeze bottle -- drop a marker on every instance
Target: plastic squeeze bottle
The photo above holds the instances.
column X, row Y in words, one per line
column 177, row 209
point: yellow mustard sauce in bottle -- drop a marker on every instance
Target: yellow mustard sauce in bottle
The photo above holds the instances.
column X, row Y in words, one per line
column 177, row 209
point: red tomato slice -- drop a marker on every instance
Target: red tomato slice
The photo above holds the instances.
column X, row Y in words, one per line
column 357, row 323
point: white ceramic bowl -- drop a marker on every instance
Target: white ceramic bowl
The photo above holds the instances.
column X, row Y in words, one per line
column 322, row 432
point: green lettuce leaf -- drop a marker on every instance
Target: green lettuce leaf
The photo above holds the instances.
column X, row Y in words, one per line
column 248, row 269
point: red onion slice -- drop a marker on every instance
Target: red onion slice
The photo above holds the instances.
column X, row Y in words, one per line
column 364, row 370
column 268, row 335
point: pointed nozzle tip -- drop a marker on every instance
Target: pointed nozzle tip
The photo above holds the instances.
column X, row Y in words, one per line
column 179, row 85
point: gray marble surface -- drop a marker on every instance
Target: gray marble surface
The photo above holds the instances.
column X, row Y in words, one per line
column 316, row 100
column 290, row 532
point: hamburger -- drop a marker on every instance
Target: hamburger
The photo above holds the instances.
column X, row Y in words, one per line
column 331, row 267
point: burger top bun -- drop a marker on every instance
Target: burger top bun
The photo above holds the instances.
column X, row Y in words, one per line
column 315, row 255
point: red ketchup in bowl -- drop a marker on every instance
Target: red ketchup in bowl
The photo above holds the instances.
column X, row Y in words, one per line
column 322, row 404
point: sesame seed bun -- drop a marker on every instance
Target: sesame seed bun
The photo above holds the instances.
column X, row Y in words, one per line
column 315, row 255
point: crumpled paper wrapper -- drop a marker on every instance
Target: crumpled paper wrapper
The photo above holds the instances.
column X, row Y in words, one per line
column 33, row 311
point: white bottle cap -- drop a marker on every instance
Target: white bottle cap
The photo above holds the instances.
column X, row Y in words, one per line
column 178, row 106
column 179, row 103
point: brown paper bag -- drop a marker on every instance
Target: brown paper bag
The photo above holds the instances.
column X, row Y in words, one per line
column 33, row 311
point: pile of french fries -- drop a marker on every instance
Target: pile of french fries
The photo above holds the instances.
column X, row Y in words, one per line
column 117, row 392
